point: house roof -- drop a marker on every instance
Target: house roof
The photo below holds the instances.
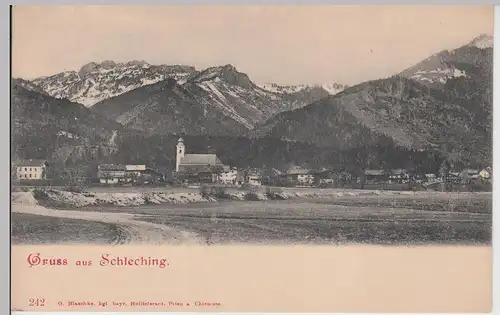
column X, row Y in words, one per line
column 135, row 167
column 276, row 171
column 468, row 173
column 200, row 159
column 298, row 171
column 194, row 169
column 112, row 167
column 374, row 172
column 471, row 171
column 152, row 171
column 32, row 162
column 399, row 171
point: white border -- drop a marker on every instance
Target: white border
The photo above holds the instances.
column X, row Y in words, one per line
column 496, row 161
column 5, row 132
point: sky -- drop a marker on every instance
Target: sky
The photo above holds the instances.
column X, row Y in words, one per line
column 285, row 44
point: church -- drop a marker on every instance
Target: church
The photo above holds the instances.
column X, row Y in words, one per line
column 198, row 167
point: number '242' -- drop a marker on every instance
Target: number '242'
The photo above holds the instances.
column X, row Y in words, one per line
column 37, row 302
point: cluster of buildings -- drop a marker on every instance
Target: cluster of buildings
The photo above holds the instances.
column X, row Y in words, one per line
column 404, row 176
column 208, row 168
column 125, row 174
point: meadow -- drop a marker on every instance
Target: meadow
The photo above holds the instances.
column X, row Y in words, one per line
column 333, row 217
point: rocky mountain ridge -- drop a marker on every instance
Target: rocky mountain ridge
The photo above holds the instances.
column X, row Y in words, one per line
column 215, row 95
column 98, row 81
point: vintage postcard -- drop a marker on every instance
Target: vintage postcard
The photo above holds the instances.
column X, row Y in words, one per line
column 252, row 158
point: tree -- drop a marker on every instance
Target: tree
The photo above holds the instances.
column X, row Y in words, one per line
column 216, row 170
column 187, row 174
column 75, row 179
column 444, row 172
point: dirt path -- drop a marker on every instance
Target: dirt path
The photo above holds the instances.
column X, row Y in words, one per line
column 134, row 232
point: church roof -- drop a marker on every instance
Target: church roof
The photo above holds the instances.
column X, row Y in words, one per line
column 194, row 169
column 32, row 162
column 200, row 159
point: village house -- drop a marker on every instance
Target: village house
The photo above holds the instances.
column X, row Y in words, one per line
column 399, row 176
column 325, row 177
column 118, row 173
column 468, row 175
column 134, row 171
column 111, row 173
column 150, row 176
column 202, row 168
column 254, row 179
column 271, row 176
column 374, row 176
column 32, row 170
column 486, row 173
column 228, row 177
column 430, row 177
column 302, row 177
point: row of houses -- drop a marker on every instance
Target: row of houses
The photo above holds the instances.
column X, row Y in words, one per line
column 202, row 170
column 208, row 168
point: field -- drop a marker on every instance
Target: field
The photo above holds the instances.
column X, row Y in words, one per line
column 38, row 229
column 378, row 220
column 420, row 218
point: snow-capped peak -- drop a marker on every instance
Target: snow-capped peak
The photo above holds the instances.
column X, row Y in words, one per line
column 275, row 88
column 97, row 81
column 483, row 41
column 331, row 88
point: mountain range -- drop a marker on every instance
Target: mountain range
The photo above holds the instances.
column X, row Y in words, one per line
column 442, row 104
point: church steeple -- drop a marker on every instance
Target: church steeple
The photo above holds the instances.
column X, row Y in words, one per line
column 180, row 151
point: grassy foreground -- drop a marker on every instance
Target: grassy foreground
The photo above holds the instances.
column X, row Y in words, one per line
column 36, row 229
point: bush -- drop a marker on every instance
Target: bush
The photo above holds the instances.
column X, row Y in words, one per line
column 40, row 194
column 272, row 194
column 219, row 193
column 205, row 191
column 251, row 196
column 216, row 192
column 147, row 199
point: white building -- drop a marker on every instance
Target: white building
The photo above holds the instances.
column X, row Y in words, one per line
column 32, row 170
column 254, row 180
column 485, row 174
column 229, row 177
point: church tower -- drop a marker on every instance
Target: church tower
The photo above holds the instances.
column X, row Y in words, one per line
column 181, row 150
